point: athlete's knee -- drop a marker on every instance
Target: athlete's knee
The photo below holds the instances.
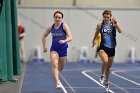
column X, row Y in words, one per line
column 60, row 68
column 108, row 67
column 54, row 65
column 105, row 60
column 105, row 63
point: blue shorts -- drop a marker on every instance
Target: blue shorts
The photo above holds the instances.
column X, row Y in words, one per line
column 62, row 51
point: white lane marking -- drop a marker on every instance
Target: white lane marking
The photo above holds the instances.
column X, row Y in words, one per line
column 22, row 77
column 67, row 84
column 84, row 73
column 75, row 69
column 101, row 88
column 63, row 88
column 114, row 73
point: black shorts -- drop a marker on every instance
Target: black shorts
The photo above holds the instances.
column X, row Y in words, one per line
column 109, row 51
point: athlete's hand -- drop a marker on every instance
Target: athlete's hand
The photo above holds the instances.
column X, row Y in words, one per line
column 61, row 41
column 114, row 20
column 45, row 50
column 93, row 43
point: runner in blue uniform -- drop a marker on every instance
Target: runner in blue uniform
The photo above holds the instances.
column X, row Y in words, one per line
column 107, row 29
column 58, row 52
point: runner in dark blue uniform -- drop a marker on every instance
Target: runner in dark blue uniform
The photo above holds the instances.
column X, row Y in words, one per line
column 107, row 29
column 58, row 52
column 59, row 34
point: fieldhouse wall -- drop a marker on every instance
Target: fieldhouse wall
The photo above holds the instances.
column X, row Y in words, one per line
column 82, row 23
column 83, row 3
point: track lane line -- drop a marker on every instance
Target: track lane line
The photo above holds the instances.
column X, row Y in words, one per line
column 88, row 76
column 73, row 91
column 114, row 73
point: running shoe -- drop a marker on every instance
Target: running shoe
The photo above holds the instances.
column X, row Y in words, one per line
column 106, row 87
column 58, row 86
column 101, row 79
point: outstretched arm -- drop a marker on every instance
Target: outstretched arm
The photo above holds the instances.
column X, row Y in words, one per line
column 46, row 33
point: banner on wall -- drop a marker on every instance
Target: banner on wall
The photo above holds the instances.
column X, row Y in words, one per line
column 1, row 2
